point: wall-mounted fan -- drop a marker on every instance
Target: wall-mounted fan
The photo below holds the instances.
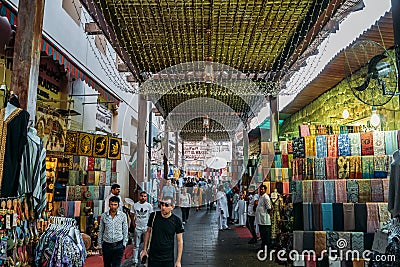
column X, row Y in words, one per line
column 371, row 73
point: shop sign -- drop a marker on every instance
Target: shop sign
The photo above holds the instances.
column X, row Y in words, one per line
column 50, row 79
column 103, row 118
column 193, row 151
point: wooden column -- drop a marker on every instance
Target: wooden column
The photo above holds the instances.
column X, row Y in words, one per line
column 141, row 140
column 396, row 30
column 26, row 58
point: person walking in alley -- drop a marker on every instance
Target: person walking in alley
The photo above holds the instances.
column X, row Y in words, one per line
column 113, row 234
column 140, row 213
column 162, row 227
column 115, row 191
column 222, row 209
column 252, row 199
column 185, row 201
column 168, row 190
column 262, row 217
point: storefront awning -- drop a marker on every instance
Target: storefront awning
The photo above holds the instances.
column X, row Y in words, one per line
column 52, row 50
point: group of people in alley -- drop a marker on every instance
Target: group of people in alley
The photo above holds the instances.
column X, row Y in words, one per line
column 154, row 230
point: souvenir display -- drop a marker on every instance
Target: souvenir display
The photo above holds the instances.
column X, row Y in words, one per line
column 114, row 151
column 85, row 144
column 71, row 143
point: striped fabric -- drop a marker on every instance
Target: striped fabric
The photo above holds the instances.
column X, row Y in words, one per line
column 33, row 171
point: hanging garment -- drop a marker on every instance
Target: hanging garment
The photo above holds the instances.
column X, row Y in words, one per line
column 285, row 161
column 357, row 242
column 298, row 168
column 348, row 217
column 332, row 146
column 372, row 217
column 340, row 191
column 322, row 149
column 379, row 143
column 327, row 216
column 343, row 145
column 276, row 219
column 332, row 239
column 391, row 144
column 385, row 185
column 381, row 166
column 364, row 191
column 318, row 189
column 343, row 167
column 368, row 168
column 360, row 213
column 307, row 216
column 309, row 169
column 308, row 240
column 355, row 144
column 308, row 191
column 304, row 130
column 297, row 191
column 319, row 169
column 355, row 167
column 338, row 221
column 283, row 147
column 329, row 190
column 310, row 146
column 376, row 190
column 352, row 191
column 384, row 214
column 367, row 144
column 13, row 133
column 320, row 242
column 331, row 168
column 298, row 241
column 298, row 147
column 316, row 216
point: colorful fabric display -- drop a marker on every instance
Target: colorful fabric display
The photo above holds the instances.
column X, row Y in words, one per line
column 355, row 167
column 319, row 169
column 310, row 146
column 309, row 169
column 332, row 146
column 364, row 191
column 71, row 209
column 102, row 178
column 113, row 178
column 327, row 216
column 113, row 165
column 360, row 212
column 90, row 163
column 97, row 178
column 297, row 191
column 283, row 147
column 372, row 217
column 103, row 164
column 320, row 242
column 384, row 214
column 77, row 209
column 97, row 164
column 368, row 168
column 348, row 217
column 379, row 143
column 367, row 144
column 340, row 191
column 357, row 242
column 91, row 178
column 332, row 239
column 289, row 147
column 344, row 145
column 385, row 185
column 391, row 144
column 307, row 216
column 343, row 167
column 83, row 163
column 298, row 147
column 352, row 191
column 285, row 188
column 307, row 191
column 290, row 160
column 355, row 144
column 381, row 166
column 73, row 177
column 298, row 168
column 376, row 190
column 316, row 216
column 304, row 130
column 329, row 190
column 322, row 149
column 338, row 222
column 331, row 168
column 318, row 189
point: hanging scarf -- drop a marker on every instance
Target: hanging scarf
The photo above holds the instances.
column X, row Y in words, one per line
column 298, row 241
column 298, row 147
column 319, row 169
column 377, row 190
column 307, row 191
column 352, row 191
column 283, row 147
column 364, row 188
column 385, row 185
column 278, row 161
column 322, row 150
column 298, row 168
column 310, row 146
column 332, row 146
column 355, row 144
column 384, row 214
column 367, row 144
column 367, row 167
column 297, row 191
column 318, row 189
column 320, row 242
column 343, row 167
column 304, row 130
column 285, row 161
column 347, row 238
column 340, row 191
column 355, row 167
column 357, row 242
column 331, row 168
column 344, row 145
column 329, row 189
column 379, row 143
column 348, row 217
column 327, row 216
column 289, row 147
column 308, row 216
column 316, row 217
column 290, row 158
column 381, row 166
column 332, row 239
column 372, row 217
column 391, row 142
column 309, row 168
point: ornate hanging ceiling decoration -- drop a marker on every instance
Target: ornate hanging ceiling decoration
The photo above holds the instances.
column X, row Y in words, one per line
column 216, row 132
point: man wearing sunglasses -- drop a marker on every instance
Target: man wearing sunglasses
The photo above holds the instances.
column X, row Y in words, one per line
column 162, row 228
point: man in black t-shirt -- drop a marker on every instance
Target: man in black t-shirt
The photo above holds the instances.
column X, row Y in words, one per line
column 161, row 229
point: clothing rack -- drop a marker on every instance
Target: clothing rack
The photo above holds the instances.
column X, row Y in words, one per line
column 63, row 221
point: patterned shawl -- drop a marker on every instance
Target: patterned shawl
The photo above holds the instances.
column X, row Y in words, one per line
column 340, row 191
column 381, row 166
column 310, row 146
column 367, row 167
column 343, row 167
column 322, row 150
column 367, row 144
column 308, row 191
column 377, row 190
column 379, row 143
column 352, row 191
column 309, row 169
column 332, row 145
column 385, row 185
column 329, row 188
column 344, row 145
column 331, row 168
column 319, row 169
column 355, row 144
column 355, row 167
column 318, row 189
column 372, row 217
column 364, row 189
column 297, row 191
column 298, row 147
